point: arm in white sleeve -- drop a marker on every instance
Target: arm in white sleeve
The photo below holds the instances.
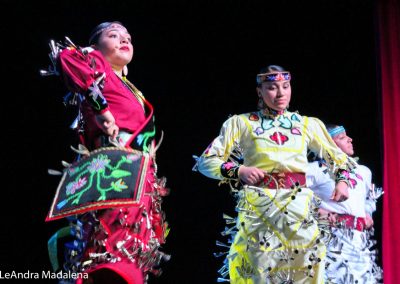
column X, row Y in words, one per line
column 370, row 202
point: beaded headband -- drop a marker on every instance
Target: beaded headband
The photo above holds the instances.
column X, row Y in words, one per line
column 108, row 26
column 273, row 77
column 335, row 131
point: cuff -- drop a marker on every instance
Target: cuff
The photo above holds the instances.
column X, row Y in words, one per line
column 103, row 110
column 230, row 170
column 342, row 175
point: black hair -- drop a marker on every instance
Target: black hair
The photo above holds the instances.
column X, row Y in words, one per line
column 330, row 126
column 96, row 32
column 272, row 68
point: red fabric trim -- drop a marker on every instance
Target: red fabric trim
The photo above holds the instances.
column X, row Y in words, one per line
column 283, row 180
column 104, row 110
column 349, row 220
column 102, row 206
column 150, row 116
column 104, row 225
column 128, row 271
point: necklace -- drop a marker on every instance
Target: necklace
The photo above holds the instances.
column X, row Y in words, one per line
column 271, row 113
column 138, row 94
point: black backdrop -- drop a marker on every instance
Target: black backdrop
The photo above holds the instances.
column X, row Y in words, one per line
column 196, row 62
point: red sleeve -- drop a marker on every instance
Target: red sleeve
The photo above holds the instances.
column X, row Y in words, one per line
column 79, row 71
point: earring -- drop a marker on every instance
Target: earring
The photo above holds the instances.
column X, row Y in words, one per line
column 260, row 104
column 125, row 71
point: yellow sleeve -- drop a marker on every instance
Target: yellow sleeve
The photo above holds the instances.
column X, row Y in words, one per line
column 322, row 144
column 218, row 152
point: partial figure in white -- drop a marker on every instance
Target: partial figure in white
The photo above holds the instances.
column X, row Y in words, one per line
column 350, row 253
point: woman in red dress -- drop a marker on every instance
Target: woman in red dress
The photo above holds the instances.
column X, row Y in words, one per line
column 118, row 243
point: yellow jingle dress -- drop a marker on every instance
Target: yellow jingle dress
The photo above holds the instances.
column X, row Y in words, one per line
column 276, row 238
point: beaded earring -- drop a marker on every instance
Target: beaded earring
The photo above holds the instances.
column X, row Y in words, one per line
column 125, row 71
column 260, row 104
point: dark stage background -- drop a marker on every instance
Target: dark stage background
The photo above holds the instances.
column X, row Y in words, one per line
column 196, row 62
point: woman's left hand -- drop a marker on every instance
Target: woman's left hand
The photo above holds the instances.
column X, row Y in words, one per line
column 106, row 122
column 341, row 192
column 250, row 175
column 328, row 215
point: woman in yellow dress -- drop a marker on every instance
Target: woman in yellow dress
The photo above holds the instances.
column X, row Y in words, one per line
column 276, row 237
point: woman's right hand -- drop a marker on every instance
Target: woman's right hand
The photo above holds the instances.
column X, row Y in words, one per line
column 250, row 175
column 328, row 215
column 369, row 222
column 341, row 192
column 106, row 122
